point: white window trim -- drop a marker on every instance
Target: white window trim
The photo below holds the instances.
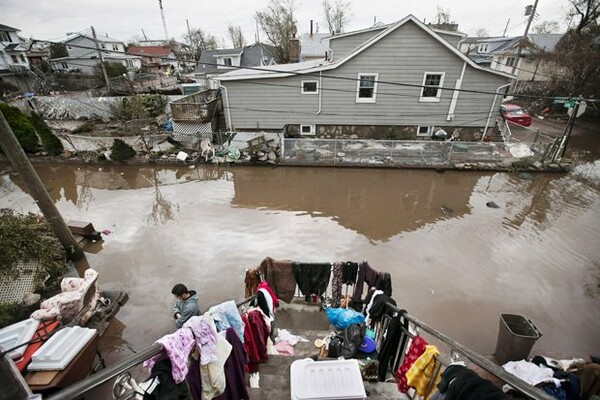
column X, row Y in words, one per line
column 309, row 81
column 439, row 93
column 366, row 99
column 430, row 130
column 313, row 130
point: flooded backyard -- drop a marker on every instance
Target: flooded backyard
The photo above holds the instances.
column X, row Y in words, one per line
column 456, row 263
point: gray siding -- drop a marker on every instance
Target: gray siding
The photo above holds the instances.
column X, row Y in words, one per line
column 402, row 56
column 344, row 45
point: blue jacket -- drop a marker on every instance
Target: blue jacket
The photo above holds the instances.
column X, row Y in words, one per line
column 188, row 308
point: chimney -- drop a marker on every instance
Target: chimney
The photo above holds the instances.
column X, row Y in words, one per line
column 311, row 27
column 294, row 49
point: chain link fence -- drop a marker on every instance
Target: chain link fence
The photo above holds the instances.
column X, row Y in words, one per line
column 395, row 153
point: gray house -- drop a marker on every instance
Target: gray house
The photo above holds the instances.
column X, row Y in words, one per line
column 215, row 62
column 83, row 56
column 394, row 80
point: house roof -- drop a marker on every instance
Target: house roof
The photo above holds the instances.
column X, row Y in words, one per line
column 325, row 66
column 314, row 45
column 380, row 26
column 104, row 39
column 153, row 51
column 251, row 56
column 8, row 28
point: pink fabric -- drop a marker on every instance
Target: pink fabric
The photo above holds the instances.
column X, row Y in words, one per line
column 206, row 338
column 284, row 348
column 178, row 346
column 265, row 285
column 417, row 347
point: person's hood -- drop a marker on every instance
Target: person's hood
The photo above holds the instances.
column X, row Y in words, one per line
column 193, row 296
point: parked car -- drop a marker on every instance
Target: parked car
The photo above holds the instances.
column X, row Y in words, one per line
column 516, row 114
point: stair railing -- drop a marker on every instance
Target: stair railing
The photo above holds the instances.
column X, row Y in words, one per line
column 113, row 371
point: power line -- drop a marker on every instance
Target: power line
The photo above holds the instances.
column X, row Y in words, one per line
column 320, row 75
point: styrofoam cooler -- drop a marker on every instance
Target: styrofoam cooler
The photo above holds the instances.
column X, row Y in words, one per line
column 326, row 380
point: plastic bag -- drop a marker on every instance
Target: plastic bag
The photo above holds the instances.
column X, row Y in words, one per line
column 342, row 318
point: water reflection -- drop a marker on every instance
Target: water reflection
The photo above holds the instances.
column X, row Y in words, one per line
column 378, row 204
column 162, row 209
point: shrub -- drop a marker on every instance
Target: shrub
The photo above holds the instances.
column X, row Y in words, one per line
column 113, row 69
column 50, row 142
column 121, row 151
column 21, row 126
column 139, row 106
column 29, row 237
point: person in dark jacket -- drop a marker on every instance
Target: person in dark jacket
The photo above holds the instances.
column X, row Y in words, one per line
column 186, row 306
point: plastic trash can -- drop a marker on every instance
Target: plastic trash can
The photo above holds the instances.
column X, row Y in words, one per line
column 516, row 337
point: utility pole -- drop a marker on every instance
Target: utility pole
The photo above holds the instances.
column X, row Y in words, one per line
column 564, row 140
column 524, row 37
column 162, row 15
column 144, row 33
column 106, row 80
column 20, row 163
column 506, row 28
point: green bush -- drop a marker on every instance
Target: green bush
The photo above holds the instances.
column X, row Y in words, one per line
column 22, row 127
column 113, row 69
column 139, row 106
column 10, row 314
column 50, row 142
column 121, row 151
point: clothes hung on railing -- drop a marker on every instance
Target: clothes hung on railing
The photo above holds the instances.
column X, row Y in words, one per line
column 312, row 278
column 256, row 334
column 375, row 312
column 349, row 272
column 234, row 370
column 374, row 279
column 336, row 284
column 227, row 315
column 394, row 343
column 416, row 349
column 280, row 277
column 460, row 383
column 423, row 374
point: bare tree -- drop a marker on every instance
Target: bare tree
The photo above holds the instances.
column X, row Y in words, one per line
column 337, row 14
column 482, row 32
column 278, row 23
column 237, row 37
column 578, row 51
column 545, row 27
column 442, row 16
column 588, row 10
column 198, row 40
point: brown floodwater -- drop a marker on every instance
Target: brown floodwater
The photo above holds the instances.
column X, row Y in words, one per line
column 456, row 263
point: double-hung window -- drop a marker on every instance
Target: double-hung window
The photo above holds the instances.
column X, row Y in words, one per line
column 366, row 88
column 227, row 61
column 310, row 87
column 432, row 87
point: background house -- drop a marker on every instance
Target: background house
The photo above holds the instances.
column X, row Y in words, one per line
column 532, row 68
column 14, row 65
column 216, row 62
column 372, row 88
column 83, row 56
column 156, row 58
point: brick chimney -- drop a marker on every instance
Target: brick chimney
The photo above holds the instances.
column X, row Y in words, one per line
column 294, row 49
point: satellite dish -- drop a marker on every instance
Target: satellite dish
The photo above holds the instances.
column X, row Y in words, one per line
column 580, row 110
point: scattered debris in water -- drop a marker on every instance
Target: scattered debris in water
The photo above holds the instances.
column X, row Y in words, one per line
column 492, row 204
column 525, row 175
column 446, row 210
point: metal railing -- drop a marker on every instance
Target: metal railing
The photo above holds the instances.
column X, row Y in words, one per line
column 389, row 153
column 457, row 348
column 115, row 370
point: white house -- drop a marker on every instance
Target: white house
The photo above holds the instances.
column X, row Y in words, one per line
column 14, row 65
column 83, row 56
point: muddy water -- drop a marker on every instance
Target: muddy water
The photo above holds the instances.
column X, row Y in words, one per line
column 456, row 263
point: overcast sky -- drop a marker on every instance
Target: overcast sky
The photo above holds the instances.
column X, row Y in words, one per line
column 125, row 19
